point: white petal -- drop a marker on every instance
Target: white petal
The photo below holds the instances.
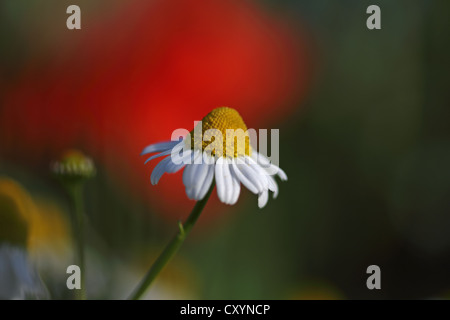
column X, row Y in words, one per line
column 166, row 165
column 236, row 186
column 159, row 147
column 190, row 193
column 242, row 178
column 159, row 170
column 260, row 173
column 268, row 167
column 208, row 159
column 273, row 186
column 207, row 183
column 282, row 174
column 172, row 167
column 263, row 198
column 255, row 174
column 187, row 180
column 165, row 153
column 200, row 174
column 251, row 175
column 260, row 158
column 229, row 187
column 188, row 174
column 197, row 156
column 220, row 180
column 187, row 157
column 207, row 175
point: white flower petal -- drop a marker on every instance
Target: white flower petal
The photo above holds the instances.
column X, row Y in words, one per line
column 282, row 174
column 186, row 158
column 206, row 183
column 260, row 158
column 166, row 165
column 251, row 175
column 165, row 153
column 187, row 179
column 159, row 147
column 263, row 198
column 260, row 173
column 273, row 186
column 189, row 187
column 159, row 170
column 268, row 167
column 229, row 187
column 242, row 178
column 172, row 167
column 205, row 176
column 201, row 171
column 188, row 174
column 190, row 192
column 220, row 180
column 236, row 185
column 254, row 173
column 197, row 156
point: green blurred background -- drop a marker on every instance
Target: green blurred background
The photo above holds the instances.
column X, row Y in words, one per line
column 367, row 153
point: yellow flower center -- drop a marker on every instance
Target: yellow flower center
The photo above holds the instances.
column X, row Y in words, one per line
column 223, row 133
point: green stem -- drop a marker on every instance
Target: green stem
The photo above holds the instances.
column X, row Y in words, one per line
column 76, row 194
column 171, row 248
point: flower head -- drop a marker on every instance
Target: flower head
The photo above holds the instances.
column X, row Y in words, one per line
column 73, row 166
column 221, row 123
column 213, row 150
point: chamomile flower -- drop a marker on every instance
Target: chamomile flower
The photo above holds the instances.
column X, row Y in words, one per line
column 210, row 153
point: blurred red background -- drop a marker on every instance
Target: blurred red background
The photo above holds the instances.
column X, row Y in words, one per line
column 130, row 79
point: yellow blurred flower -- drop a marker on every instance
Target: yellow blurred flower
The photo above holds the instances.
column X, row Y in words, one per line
column 33, row 223
column 24, row 227
column 38, row 227
column 14, row 206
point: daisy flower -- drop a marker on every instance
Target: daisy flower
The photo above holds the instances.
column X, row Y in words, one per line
column 223, row 159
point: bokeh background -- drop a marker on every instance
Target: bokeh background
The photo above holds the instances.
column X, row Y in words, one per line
column 364, row 138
